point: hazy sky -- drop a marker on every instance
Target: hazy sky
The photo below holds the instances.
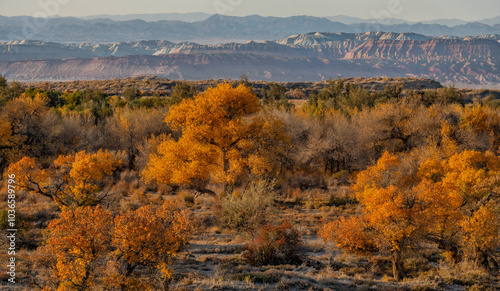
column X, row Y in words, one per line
column 412, row 10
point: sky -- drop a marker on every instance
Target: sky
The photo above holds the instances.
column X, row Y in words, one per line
column 411, row 10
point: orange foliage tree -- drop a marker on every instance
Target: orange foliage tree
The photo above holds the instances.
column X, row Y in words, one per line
column 481, row 234
column 483, row 120
column 72, row 181
column 221, row 140
column 393, row 206
column 438, row 200
column 21, row 132
column 87, row 246
column 475, row 177
column 78, row 240
column 146, row 240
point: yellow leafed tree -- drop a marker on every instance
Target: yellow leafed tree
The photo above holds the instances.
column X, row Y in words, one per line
column 221, row 140
column 78, row 240
column 483, row 120
column 73, row 181
column 21, row 128
column 87, row 246
column 481, row 234
column 444, row 201
column 146, row 240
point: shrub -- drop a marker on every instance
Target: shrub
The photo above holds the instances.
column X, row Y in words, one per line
column 275, row 245
column 146, row 241
column 189, row 198
column 132, row 93
column 340, row 201
column 349, row 234
column 77, row 242
column 250, row 210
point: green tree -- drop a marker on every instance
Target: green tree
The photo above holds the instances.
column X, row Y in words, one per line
column 3, row 81
column 275, row 97
column 132, row 93
column 182, row 90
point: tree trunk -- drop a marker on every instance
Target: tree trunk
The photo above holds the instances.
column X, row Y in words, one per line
column 228, row 188
column 130, row 268
column 397, row 265
column 131, row 159
column 449, row 246
column 481, row 259
column 452, row 248
column 454, row 252
column 166, row 283
column 3, row 161
column 486, row 261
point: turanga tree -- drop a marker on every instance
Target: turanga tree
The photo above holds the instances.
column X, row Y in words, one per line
column 87, row 246
column 452, row 202
column 222, row 139
column 77, row 242
column 72, row 181
column 145, row 241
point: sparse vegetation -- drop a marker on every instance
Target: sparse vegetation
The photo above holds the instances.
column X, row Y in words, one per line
column 250, row 210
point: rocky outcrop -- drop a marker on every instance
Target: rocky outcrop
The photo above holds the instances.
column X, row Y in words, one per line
column 433, row 50
column 38, row 50
column 315, row 38
column 323, row 45
column 256, row 67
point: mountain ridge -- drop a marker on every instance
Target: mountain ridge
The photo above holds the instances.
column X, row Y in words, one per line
column 345, row 19
column 317, row 44
column 215, row 29
column 303, row 57
column 187, row 17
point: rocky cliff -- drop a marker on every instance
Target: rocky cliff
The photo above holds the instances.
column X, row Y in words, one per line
column 306, row 57
column 433, row 50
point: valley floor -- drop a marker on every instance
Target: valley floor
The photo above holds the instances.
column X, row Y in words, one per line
column 214, row 261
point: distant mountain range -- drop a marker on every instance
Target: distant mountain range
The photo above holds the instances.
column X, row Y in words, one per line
column 491, row 21
column 202, row 46
column 300, row 57
column 187, row 17
column 388, row 21
column 215, row 29
column 193, row 17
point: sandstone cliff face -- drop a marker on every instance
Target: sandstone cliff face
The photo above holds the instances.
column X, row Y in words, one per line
column 323, row 45
column 173, row 66
column 475, row 50
column 309, row 57
column 256, row 67
column 38, row 50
